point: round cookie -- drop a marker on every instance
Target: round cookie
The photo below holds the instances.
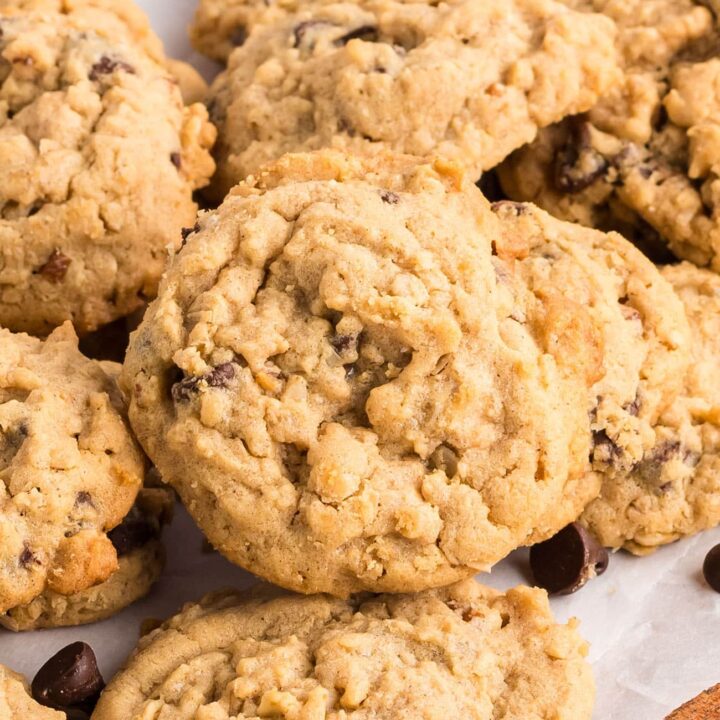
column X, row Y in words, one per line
column 463, row 651
column 69, row 467
column 100, row 159
column 645, row 336
column 644, row 163
column 141, row 558
column 346, row 388
column 16, row 702
column 674, row 490
column 465, row 80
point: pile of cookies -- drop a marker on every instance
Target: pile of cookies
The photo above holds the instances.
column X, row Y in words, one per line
column 452, row 292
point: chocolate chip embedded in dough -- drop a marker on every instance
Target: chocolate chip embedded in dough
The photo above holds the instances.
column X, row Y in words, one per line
column 711, row 568
column 565, row 562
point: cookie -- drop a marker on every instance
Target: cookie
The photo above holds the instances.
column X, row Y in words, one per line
column 463, row 651
column 644, row 332
column 674, row 490
column 69, row 467
column 464, row 80
column 643, row 161
column 100, row 160
column 141, row 557
column 346, row 388
column 16, row 702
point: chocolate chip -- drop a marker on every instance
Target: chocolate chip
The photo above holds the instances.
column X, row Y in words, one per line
column 56, row 267
column 134, row 532
column 69, row 679
column 342, row 343
column 565, row 562
column 238, row 36
column 711, row 568
column 187, row 232
column 176, row 159
column 604, row 449
column 219, row 377
column 107, row 66
column 368, row 33
column 650, row 467
column 389, row 197
column 27, row 558
column 577, row 164
column 83, row 498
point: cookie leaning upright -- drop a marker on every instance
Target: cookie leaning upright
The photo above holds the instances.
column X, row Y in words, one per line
column 461, row 652
column 100, row 158
column 16, row 702
column 346, row 388
column 674, row 490
column 69, row 468
column 466, row 80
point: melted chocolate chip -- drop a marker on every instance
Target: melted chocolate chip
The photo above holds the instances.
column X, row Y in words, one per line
column 69, row 679
column 187, row 232
column 650, row 467
column 389, row 197
column 711, row 568
column 565, row 562
column 28, row 558
column 605, row 449
column 219, row 377
column 56, row 267
column 578, row 165
column 367, row 33
column 84, row 498
column 342, row 343
column 176, row 160
column 238, row 36
column 107, row 66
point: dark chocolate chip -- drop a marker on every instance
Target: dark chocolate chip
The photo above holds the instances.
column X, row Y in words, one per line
column 368, row 33
column 650, row 467
column 565, row 562
column 711, row 568
column 605, row 449
column 187, row 232
column 107, row 66
column 28, row 558
column 83, row 498
column 577, row 164
column 238, row 36
column 176, row 159
column 70, row 678
column 134, row 532
column 219, row 377
column 56, row 267
column 342, row 343
column 389, row 197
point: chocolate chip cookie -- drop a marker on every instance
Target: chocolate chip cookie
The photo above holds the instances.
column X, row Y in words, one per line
column 463, row 651
column 16, row 702
column 674, row 490
column 141, row 557
column 465, row 80
column 69, row 468
column 349, row 391
column 644, row 160
column 100, row 158
column 644, row 336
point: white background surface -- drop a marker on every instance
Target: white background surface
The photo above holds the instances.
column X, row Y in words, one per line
column 653, row 624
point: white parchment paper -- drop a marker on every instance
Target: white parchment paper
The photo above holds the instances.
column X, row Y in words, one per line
column 653, row 624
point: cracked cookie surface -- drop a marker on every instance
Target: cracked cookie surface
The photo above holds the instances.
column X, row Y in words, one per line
column 674, row 490
column 645, row 160
column 464, row 651
column 16, row 702
column 349, row 391
column 100, row 158
column 464, row 80
column 69, row 467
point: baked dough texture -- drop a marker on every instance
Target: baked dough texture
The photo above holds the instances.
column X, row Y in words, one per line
column 350, row 391
column 463, row 652
column 16, row 702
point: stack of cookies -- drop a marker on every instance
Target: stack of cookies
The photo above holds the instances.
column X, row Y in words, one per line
column 453, row 293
